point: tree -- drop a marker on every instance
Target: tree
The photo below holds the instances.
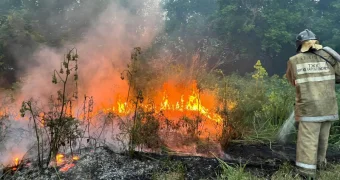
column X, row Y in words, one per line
column 263, row 29
column 25, row 25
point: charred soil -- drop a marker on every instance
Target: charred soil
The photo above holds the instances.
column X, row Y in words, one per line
column 262, row 160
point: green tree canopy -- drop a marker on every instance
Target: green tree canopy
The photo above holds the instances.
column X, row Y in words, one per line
column 228, row 34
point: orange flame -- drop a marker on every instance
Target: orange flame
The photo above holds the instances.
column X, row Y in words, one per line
column 174, row 100
column 75, row 158
column 60, row 159
column 65, row 164
column 41, row 116
column 66, row 167
column 189, row 103
column 16, row 161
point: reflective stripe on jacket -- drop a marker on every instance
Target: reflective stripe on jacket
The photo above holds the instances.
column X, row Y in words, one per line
column 314, row 81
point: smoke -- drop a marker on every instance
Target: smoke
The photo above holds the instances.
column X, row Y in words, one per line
column 104, row 51
column 16, row 143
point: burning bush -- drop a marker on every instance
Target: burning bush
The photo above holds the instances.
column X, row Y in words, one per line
column 146, row 130
column 160, row 101
column 57, row 125
column 182, row 110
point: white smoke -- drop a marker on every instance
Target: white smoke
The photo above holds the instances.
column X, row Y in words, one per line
column 104, row 51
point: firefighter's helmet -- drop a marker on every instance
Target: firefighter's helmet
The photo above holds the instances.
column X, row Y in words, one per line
column 303, row 36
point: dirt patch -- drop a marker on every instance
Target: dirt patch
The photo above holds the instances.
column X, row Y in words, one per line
column 270, row 153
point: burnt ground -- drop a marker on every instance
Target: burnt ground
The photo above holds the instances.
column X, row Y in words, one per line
column 260, row 159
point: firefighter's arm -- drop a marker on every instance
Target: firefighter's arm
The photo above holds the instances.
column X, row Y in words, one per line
column 337, row 68
column 289, row 73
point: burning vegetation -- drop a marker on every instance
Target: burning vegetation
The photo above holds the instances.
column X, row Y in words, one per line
column 174, row 100
column 105, row 111
column 162, row 110
column 64, row 163
column 172, row 113
column 153, row 108
column 168, row 115
column 179, row 112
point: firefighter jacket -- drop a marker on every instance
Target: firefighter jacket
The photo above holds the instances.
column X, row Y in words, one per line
column 314, row 81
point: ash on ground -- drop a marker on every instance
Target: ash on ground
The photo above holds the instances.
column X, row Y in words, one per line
column 102, row 163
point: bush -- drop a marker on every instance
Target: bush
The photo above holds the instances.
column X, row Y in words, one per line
column 56, row 125
column 145, row 131
column 258, row 104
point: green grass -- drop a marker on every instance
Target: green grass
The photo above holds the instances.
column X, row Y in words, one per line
column 175, row 171
column 286, row 172
column 332, row 173
column 168, row 176
column 233, row 173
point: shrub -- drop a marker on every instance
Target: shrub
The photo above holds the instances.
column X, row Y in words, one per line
column 260, row 104
column 145, row 131
column 56, row 125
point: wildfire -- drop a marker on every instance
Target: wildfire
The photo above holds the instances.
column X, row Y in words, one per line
column 189, row 103
column 16, row 164
column 66, row 164
column 60, row 159
column 173, row 100
column 66, row 167
column 42, row 123
column 16, row 161
column 75, row 158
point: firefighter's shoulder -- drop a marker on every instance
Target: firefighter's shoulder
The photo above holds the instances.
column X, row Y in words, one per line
column 296, row 57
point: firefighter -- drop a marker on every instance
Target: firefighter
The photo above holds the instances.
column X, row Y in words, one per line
column 312, row 72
